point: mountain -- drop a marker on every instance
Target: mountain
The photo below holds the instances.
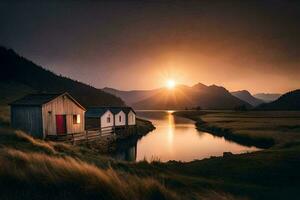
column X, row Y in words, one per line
column 247, row 97
column 288, row 101
column 20, row 76
column 267, row 97
column 133, row 96
column 199, row 95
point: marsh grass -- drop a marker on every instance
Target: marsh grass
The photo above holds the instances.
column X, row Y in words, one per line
column 259, row 128
column 281, row 127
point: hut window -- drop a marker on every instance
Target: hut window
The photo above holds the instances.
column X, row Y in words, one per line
column 108, row 119
column 76, row 119
column 120, row 118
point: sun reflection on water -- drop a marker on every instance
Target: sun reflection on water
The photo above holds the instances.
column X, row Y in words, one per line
column 171, row 128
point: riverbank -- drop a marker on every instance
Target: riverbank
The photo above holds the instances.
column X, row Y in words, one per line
column 271, row 173
column 108, row 144
column 252, row 128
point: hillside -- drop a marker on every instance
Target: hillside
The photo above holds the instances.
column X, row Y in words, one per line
column 267, row 97
column 247, row 97
column 132, row 96
column 20, row 76
column 199, row 95
column 288, row 101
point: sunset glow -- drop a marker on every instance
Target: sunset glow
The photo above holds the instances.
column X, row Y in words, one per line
column 170, row 84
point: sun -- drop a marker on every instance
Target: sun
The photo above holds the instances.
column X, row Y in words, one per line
column 170, row 84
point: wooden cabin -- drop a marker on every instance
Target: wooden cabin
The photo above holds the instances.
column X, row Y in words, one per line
column 99, row 118
column 43, row 115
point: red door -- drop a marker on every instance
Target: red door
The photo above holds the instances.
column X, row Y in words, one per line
column 61, row 127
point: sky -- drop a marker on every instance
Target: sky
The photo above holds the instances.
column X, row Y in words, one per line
column 252, row 45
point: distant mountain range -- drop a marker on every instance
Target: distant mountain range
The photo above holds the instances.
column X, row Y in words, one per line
column 19, row 76
column 181, row 97
column 288, row 101
column 267, row 97
column 247, row 97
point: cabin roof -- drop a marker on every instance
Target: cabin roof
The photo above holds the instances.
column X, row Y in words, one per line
column 96, row 112
column 35, row 99
column 116, row 110
column 41, row 99
column 128, row 109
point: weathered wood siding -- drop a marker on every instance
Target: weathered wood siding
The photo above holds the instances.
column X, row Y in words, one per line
column 27, row 118
column 62, row 105
column 131, row 118
column 121, row 115
column 103, row 120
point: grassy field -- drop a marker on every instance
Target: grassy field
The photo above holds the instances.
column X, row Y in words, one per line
column 35, row 169
column 258, row 128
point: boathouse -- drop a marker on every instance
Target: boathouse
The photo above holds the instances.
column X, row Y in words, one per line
column 43, row 115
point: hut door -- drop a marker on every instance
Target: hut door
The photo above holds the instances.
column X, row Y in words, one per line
column 61, row 127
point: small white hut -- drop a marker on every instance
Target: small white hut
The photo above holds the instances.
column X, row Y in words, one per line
column 119, row 117
column 108, row 118
column 99, row 118
column 130, row 116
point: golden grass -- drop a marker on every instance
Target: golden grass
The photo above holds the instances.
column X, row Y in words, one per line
column 282, row 126
column 35, row 142
column 76, row 177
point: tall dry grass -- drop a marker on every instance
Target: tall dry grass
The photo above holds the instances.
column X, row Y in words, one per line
column 35, row 175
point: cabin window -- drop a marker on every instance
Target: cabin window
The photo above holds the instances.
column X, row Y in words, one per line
column 120, row 118
column 76, row 119
column 108, row 119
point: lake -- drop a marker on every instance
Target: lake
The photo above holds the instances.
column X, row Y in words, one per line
column 175, row 138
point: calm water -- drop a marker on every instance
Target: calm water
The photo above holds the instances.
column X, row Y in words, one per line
column 175, row 138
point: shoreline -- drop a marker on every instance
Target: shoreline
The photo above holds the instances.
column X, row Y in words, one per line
column 201, row 125
column 109, row 144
